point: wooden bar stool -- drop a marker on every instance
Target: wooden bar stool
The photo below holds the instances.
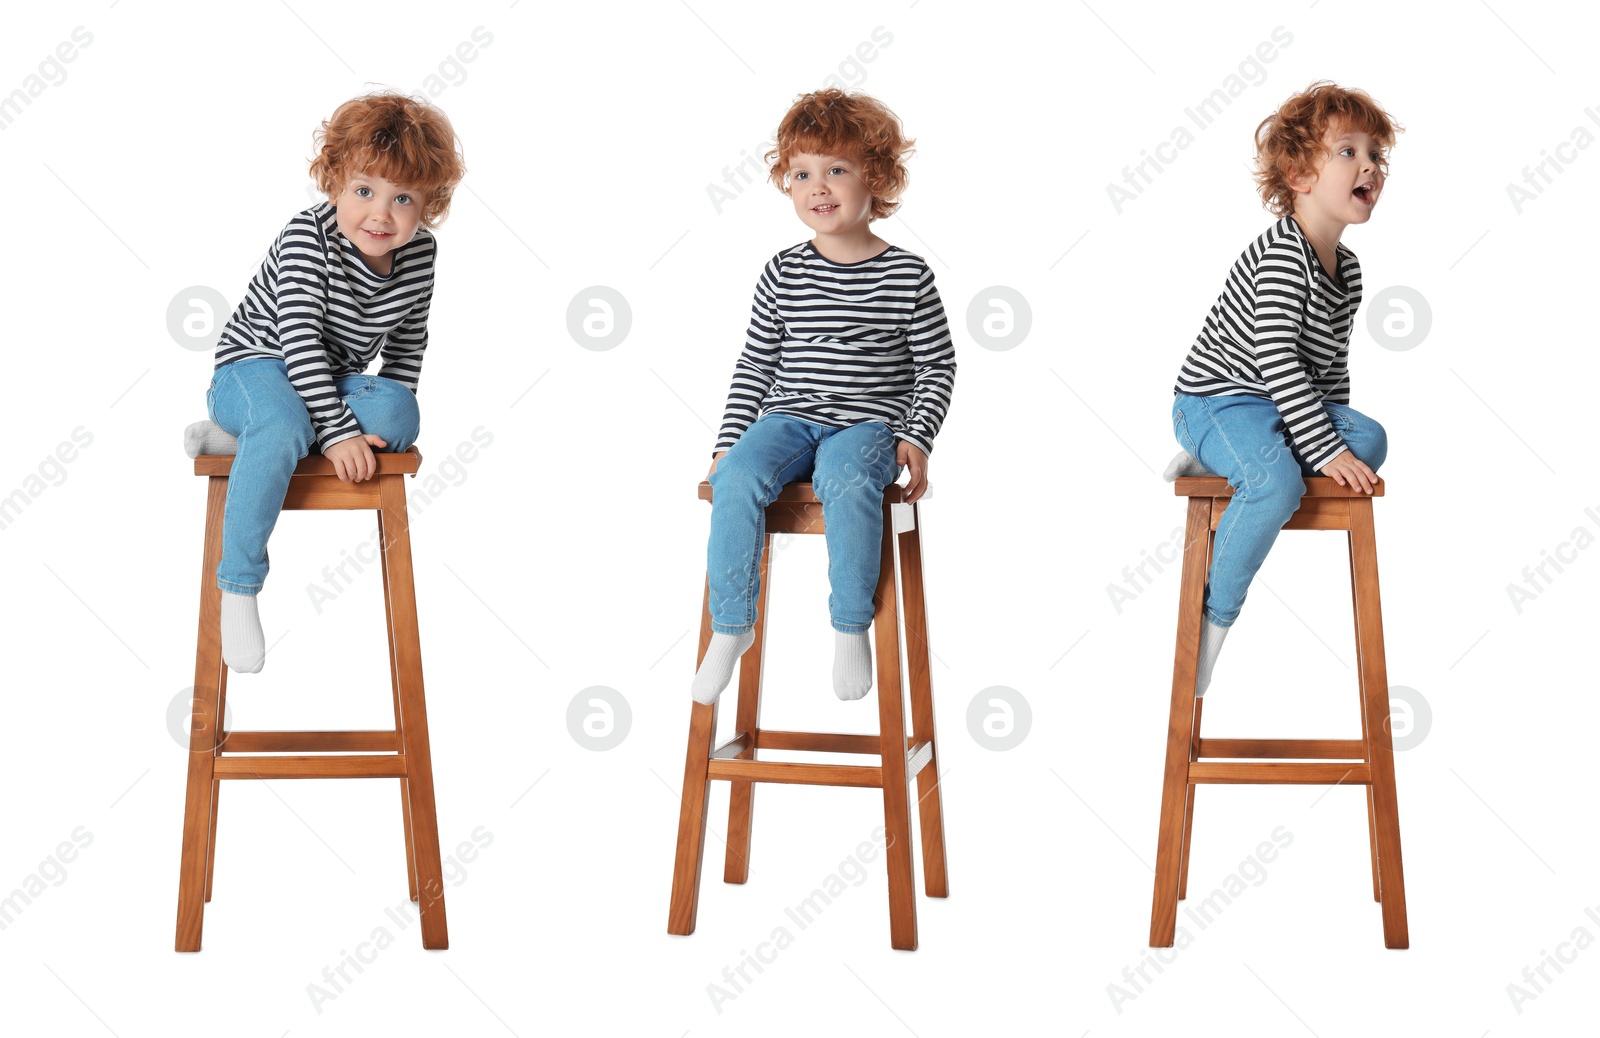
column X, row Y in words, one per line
column 215, row 754
column 797, row 510
column 1367, row 761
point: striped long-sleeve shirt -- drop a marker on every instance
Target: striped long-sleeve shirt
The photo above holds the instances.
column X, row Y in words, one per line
column 844, row 343
column 1281, row 330
column 317, row 306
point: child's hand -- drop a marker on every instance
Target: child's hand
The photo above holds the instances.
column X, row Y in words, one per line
column 1347, row 470
column 714, row 459
column 914, row 459
column 352, row 459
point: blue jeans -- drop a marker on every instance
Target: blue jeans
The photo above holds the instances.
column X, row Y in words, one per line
column 1243, row 438
column 848, row 468
column 253, row 400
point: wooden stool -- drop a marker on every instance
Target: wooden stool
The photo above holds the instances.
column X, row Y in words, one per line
column 215, row 755
column 797, row 510
column 1368, row 761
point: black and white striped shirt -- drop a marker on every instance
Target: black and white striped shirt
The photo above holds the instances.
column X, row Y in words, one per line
column 844, row 343
column 1281, row 330
column 317, row 306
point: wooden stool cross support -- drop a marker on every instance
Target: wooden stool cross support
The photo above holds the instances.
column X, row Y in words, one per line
column 1192, row 760
column 797, row 510
column 215, row 754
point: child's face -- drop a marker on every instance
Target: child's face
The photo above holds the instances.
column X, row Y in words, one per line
column 828, row 194
column 379, row 216
column 1348, row 179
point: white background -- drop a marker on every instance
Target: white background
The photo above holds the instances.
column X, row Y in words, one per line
column 569, row 554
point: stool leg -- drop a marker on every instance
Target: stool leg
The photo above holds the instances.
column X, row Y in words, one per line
column 1366, row 738
column 405, row 648
column 919, row 668
column 741, row 801
column 1180, row 725
column 203, row 725
column 216, row 784
column 411, row 851
column 211, row 845
column 892, row 750
column 1375, row 702
column 695, row 799
column 1194, row 755
column 1188, row 806
column 394, row 685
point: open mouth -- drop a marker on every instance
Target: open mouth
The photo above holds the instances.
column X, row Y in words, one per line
column 824, row 210
column 1366, row 194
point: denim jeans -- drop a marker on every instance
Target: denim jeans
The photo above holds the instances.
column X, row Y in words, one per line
column 253, row 400
column 1243, row 438
column 848, row 468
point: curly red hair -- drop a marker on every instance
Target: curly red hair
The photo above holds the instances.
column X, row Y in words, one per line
column 399, row 138
column 855, row 126
column 1289, row 142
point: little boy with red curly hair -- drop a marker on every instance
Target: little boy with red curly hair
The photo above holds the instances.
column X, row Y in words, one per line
column 345, row 281
column 1263, row 397
column 844, row 380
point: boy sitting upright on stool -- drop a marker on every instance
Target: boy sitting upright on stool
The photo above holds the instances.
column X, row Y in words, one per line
column 845, row 379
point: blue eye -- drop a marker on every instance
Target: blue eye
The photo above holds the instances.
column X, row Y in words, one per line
column 799, row 175
column 361, row 189
column 406, row 197
column 838, row 169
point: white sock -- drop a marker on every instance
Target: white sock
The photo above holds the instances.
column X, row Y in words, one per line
column 1211, row 637
column 1185, row 464
column 244, row 648
column 208, row 438
column 852, row 664
column 716, row 670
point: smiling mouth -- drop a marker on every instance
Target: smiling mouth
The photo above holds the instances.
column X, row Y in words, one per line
column 824, row 210
column 381, row 234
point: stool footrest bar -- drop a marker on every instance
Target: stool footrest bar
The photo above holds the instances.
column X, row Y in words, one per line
column 1357, row 773
column 310, row 742
column 803, row 774
column 373, row 766
column 817, row 742
column 1304, row 749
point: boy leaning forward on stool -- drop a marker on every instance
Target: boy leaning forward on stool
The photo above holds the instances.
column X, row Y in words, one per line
column 346, row 280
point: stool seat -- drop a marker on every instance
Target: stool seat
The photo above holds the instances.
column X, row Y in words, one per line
column 1316, row 486
column 901, row 758
column 397, row 463
column 402, row 753
column 1325, row 505
column 1192, row 761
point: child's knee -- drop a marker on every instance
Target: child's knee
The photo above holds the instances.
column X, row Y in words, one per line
column 405, row 419
column 735, row 478
column 388, row 409
column 863, row 456
column 1277, row 490
column 1375, row 445
column 1366, row 437
column 852, row 481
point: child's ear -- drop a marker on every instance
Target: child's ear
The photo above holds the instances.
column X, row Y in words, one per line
column 1303, row 181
